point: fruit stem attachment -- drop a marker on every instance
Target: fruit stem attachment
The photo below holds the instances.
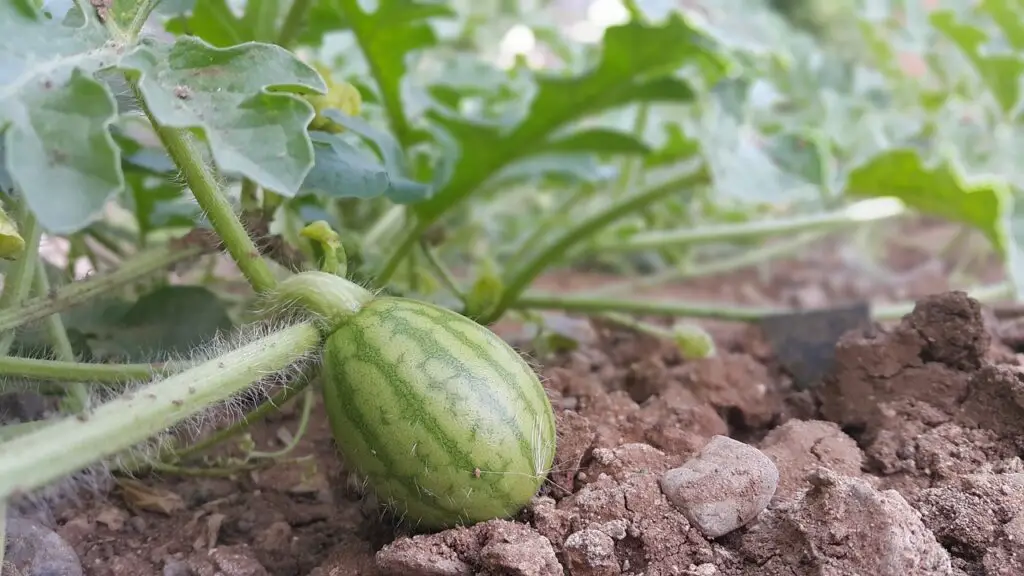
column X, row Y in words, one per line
column 332, row 299
column 76, row 442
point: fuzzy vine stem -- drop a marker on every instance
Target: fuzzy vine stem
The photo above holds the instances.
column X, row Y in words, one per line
column 138, row 266
column 597, row 305
column 61, row 371
column 18, row 282
column 873, row 210
column 525, row 274
column 71, row 444
column 308, row 399
column 293, row 22
column 3, row 535
column 443, row 274
column 77, row 396
column 743, row 259
column 183, row 148
column 274, row 403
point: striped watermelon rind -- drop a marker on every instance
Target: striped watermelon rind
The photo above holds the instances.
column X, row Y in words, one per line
column 445, row 421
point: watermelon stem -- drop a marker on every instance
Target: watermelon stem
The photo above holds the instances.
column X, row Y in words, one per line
column 332, row 299
column 78, row 442
column 185, row 151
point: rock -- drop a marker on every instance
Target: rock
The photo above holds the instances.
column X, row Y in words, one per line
column 723, row 488
column 34, row 550
column 174, row 567
column 237, row 561
column 591, row 553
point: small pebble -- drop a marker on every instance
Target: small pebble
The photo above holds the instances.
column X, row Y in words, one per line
column 723, row 488
column 35, row 550
column 591, row 553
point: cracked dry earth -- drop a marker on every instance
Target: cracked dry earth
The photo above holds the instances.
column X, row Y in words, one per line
column 904, row 462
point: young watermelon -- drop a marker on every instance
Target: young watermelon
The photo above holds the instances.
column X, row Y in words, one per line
column 444, row 420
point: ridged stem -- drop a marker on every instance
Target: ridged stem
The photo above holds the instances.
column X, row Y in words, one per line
column 61, row 371
column 524, row 275
column 182, row 148
column 18, row 281
column 135, row 268
column 872, row 210
column 76, row 398
column 73, row 443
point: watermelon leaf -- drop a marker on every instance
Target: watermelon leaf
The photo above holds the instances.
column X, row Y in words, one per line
column 1000, row 72
column 252, row 131
column 386, row 37
column 637, row 64
column 215, row 22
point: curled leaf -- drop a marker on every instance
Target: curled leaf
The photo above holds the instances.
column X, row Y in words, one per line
column 485, row 293
column 340, row 96
column 693, row 341
column 11, row 242
column 327, row 247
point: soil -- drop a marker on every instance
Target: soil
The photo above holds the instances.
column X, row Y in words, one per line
column 904, row 461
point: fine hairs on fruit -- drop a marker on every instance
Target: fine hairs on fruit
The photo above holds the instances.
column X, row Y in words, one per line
column 97, row 479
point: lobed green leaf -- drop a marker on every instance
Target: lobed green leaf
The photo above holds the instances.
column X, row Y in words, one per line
column 235, row 98
column 386, row 37
column 1000, row 72
column 54, row 115
column 638, row 63
column 940, row 190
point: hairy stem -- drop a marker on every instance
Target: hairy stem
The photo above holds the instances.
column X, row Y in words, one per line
column 393, row 106
column 77, row 397
column 293, row 22
column 443, row 274
column 3, row 535
column 744, row 259
column 855, row 214
column 186, row 154
column 395, row 260
column 274, row 403
column 525, row 275
column 18, row 282
column 60, row 371
column 135, row 268
column 552, row 222
column 599, row 306
column 71, row 444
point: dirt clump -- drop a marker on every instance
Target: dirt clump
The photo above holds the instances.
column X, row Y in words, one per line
column 842, row 525
column 489, row 548
column 800, row 446
column 980, row 518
